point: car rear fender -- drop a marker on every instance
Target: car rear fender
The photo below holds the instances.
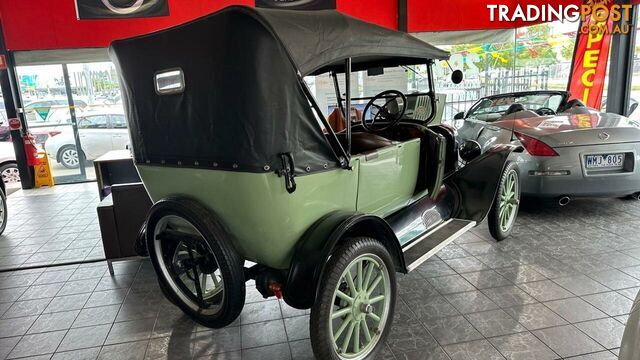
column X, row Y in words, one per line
column 317, row 245
column 475, row 185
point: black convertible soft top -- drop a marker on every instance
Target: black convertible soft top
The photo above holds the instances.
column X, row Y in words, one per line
column 243, row 102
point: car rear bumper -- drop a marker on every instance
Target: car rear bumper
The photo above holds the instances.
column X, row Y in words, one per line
column 567, row 174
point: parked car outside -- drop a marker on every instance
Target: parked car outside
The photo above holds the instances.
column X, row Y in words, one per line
column 8, row 166
column 99, row 133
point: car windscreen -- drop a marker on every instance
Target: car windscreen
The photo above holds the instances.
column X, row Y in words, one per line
column 412, row 81
column 492, row 109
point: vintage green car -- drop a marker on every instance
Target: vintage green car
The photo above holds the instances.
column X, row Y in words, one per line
column 250, row 181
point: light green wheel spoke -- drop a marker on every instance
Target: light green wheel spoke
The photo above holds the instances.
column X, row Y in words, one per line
column 340, row 313
column 365, row 328
column 344, row 325
column 356, row 338
column 374, row 284
column 367, row 279
column 360, row 276
column 375, row 317
column 347, row 338
column 352, row 286
column 344, row 296
column 352, row 311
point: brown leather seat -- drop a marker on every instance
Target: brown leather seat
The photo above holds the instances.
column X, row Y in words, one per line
column 362, row 142
column 336, row 119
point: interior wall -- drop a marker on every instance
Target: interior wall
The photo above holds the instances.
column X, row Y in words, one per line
column 52, row 24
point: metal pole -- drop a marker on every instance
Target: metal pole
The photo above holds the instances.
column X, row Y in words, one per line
column 336, row 87
column 347, row 117
column 515, row 58
column 11, row 95
column 74, row 121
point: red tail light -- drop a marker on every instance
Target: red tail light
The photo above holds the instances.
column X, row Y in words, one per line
column 536, row 147
column 54, row 133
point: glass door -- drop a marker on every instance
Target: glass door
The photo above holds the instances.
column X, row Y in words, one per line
column 45, row 106
column 73, row 136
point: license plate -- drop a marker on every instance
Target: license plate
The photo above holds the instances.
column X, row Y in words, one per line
column 605, row 161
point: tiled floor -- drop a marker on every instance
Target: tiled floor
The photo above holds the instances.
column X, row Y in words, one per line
column 49, row 226
column 560, row 287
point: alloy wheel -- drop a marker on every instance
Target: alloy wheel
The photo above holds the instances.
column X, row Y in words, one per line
column 70, row 157
column 509, row 201
column 11, row 175
column 360, row 310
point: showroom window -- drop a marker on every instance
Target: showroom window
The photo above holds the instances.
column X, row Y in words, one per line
column 98, row 111
column 537, row 57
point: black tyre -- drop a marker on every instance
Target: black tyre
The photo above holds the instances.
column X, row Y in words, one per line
column 353, row 311
column 197, row 266
column 68, row 157
column 3, row 211
column 10, row 173
column 504, row 211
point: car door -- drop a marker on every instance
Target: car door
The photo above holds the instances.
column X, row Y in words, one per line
column 387, row 177
column 95, row 135
column 119, row 132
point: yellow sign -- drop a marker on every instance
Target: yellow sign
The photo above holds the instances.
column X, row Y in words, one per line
column 43, row 171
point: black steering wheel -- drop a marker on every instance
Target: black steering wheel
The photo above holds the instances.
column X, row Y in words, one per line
column 544, row 111
column 390, row 112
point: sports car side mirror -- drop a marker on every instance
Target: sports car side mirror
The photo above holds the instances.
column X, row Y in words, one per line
column 457, row 77
column 470, row 150
column 459, row 116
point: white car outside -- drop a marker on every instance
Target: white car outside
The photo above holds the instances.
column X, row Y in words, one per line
column 98, row 132
column 8, row 166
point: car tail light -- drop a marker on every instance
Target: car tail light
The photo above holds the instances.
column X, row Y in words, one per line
column 536, row 147
column 53, row 133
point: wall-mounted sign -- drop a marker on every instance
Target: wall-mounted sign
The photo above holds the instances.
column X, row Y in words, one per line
column 14, row 124
column 297, row 4
column 107, row 9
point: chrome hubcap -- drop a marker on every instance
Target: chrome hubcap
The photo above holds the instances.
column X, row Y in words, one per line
column 360, row 308
column 70, row 157
column 11, row 175
column 509, row 201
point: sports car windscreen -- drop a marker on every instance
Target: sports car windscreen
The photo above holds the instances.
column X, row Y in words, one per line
column 493, row 108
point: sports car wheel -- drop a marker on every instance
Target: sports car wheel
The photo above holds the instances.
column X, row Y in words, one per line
column 197, row 267
column 353, row 313
column 504, row 210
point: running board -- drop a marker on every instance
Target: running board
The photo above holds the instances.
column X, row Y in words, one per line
column 429, row 243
